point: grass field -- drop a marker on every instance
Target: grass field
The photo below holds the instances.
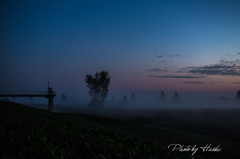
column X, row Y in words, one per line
column 27, row 132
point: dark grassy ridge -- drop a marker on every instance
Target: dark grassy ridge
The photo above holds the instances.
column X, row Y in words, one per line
column 31, row 133
column 182, row 128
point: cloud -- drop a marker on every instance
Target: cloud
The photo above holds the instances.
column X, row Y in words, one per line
column 224, row 67
column 156, row 70
column 179, row 56
column 236, row 82
column 238, row 53
column 190, row 82
column 174, row 76
column 176, row 55
column 160, row 56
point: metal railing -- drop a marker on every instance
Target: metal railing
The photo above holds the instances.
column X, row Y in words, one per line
column 24, row 92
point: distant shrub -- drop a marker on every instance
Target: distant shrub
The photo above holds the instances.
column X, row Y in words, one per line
column 237, row 98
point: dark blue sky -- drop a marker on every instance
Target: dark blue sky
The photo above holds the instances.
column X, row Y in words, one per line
column 145, row 45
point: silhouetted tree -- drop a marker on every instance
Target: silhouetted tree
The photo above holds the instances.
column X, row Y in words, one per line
column 124, row 100
column 162, row 97
column 176, row 99
column 98, row 87
column 133, row 98
column 237, row 98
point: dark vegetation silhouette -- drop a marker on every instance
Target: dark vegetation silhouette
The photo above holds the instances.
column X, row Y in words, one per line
column 237, row 98
column 98, row 87
column 162, row 97
column 124, row 100
column 176, row 99
column 133, row 98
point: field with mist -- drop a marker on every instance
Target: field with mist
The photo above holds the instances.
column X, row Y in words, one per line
column 78, row 131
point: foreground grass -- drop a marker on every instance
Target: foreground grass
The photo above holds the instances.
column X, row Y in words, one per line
column 31, row 133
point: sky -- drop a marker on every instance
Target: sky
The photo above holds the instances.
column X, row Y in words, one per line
column 145, row 45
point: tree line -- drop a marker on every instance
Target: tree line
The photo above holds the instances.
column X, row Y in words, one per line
column 98, row 90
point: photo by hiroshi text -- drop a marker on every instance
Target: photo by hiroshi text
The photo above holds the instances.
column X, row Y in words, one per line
column 194, row 148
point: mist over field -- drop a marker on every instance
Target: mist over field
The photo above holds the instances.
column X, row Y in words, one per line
column 146, row 100
column 207, row 114
column 145, row 104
